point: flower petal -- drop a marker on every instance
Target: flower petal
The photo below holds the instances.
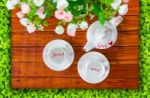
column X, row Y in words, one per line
column 62, row 4
column 59, row 30
column 123, row 9
column 38, row 2
column 31, row 28
column 20, row 14
column 125, row 1
column 25, row 8
column 83, row 25
column 116, row 4
column 10, row 5
column 71, row 29
column 24, row 21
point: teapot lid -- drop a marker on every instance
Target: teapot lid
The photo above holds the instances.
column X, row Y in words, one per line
column 104, row 36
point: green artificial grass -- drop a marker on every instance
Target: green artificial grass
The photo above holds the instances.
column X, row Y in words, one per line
column 5, row 47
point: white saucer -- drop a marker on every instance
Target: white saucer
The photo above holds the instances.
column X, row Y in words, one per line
column 93, row 67
column 58, row 55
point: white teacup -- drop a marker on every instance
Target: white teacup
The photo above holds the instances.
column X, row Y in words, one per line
column 58, row 55
column 93, row 67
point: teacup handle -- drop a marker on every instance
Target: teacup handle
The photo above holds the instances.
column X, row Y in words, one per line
column 89, row 46
column 116, row 20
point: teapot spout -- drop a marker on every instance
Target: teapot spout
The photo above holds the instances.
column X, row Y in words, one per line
column 89, row 46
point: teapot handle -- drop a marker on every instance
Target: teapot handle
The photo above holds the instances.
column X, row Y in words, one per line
column 116, row 20
column 89, row 46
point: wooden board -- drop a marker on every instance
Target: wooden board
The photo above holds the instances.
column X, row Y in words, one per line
column 29, row 70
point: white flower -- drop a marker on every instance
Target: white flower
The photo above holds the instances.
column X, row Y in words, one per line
column 24, row 21
column 83, row 25
column 62, row 4
column 125, row 1
column 116, row 4
column 68, row 17
column 71, row 29
column 60, row 14
column 20, row 14
column 59, row 30
column 25, row 8
column 41, row 13
column 15, row 2
column 10, row 4
column 38, row 2
column 31, row 28
column 116, row 20
column 123, row 9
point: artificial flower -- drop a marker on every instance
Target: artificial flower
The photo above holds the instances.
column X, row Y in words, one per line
column 71, row 29
column 116, row 20
column 125, row 1
column 41, row 13
column 62, row 4
column 31, row 28
column 59, row 30
column 83, row 25
column 68, row 17
column 116, row 4
column 25, row 8
column 60, row 14
column 67, row 11
column 20, row 14
column 38, row 2
column 15, row 2
column 24, row 21
column 10, row 4
column 123, row 9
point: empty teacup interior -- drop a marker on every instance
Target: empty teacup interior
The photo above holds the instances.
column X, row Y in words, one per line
column 93, row 67
column 58, row 55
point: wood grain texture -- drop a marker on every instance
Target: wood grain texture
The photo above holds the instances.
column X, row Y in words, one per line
column 40, row 39
column 72, row 83
column 29, row 70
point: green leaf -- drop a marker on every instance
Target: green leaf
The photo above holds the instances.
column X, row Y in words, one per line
column 96, row 9
column 101, row 18
column 77, row 8
column 108, row 2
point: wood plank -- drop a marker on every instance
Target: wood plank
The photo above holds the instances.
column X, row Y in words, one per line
column 133, row 8
column 41, row 70
column 29, row 70
column 72, row 83
column 40, row 39
column 126, row 25
column 116, row 55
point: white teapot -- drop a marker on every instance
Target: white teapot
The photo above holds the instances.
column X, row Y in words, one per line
column 102, row 37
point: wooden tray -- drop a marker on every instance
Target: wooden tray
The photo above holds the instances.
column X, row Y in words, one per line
column 29, row 71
